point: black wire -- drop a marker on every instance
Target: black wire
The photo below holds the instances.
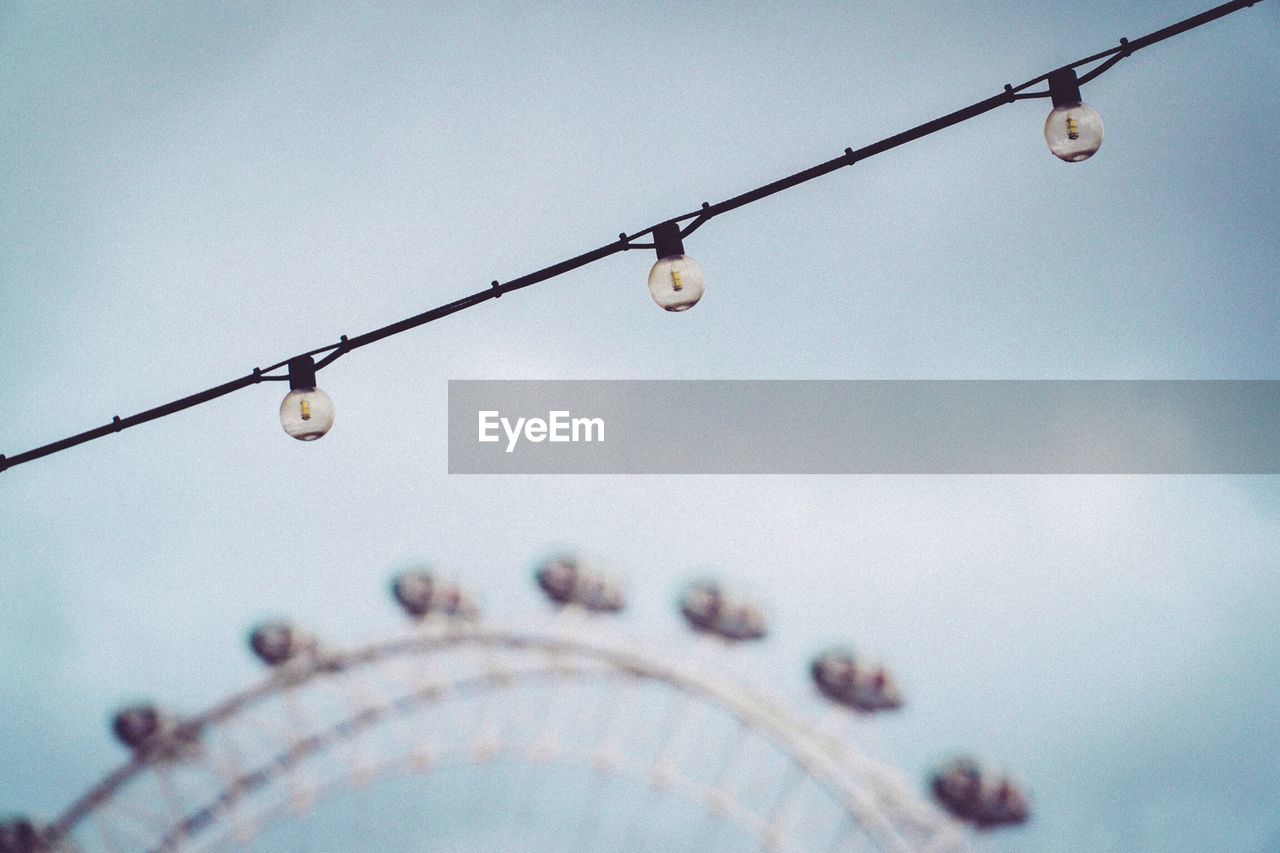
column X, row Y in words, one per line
column 696, row 219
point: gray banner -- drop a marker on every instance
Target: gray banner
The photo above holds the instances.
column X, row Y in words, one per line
column 864, row 427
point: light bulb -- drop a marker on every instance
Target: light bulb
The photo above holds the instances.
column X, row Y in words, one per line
column 676, row 280
column 676, row 283
column 1073, row 131
column 306, row 412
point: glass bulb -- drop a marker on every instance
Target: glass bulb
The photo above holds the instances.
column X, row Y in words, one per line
column 1073, row 131
column 676, row 282
column 306, row 413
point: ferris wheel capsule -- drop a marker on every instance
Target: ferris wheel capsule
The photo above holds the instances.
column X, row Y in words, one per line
column 152, row 734
column 568, row 581
column 277, row 643
column 980, row 794
column 421, row 594
column 138, row 725
column 709, row 609
column 843, row 678
column 19, row 835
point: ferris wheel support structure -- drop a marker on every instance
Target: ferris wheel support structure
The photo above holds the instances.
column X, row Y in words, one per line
column 451, row 659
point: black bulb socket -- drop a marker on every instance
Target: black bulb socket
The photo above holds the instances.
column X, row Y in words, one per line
column 302, row 373
column 667, row 241
column 1064, row 88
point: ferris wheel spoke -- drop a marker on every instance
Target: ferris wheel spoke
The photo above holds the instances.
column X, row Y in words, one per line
column 420, row 686
column 620, row 696
column 127, row 818
column 784, row 799
column 616, row 692
column 683, row 729
column 367, row 706
column 299, row 723
column 383, row 685
column 589, row 823
column 104, row 833
column 542, row 721
column 601, row 747
column 264, row 727
column 171, row 796
column 742, row 765
column 664, row 763
column 432, row 690
column 490, row 727
column 706, row 832
column 225, row 756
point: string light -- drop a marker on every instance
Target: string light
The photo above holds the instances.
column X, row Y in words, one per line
column 306, row 412
column 1073, row 132
column 676, row 281
column 1073, row 129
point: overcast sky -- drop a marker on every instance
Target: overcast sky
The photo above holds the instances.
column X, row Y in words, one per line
column 192, row 193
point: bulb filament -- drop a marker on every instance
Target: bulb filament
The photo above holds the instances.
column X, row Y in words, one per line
column 676, row 284
column 306, row 410
column 1073, row 128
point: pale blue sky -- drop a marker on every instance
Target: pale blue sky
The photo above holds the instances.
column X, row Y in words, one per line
column 190, row 194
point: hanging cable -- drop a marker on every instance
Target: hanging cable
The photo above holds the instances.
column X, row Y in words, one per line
column 1072, row 134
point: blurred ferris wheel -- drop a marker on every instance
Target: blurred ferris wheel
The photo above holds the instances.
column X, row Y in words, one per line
column 634, row 745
